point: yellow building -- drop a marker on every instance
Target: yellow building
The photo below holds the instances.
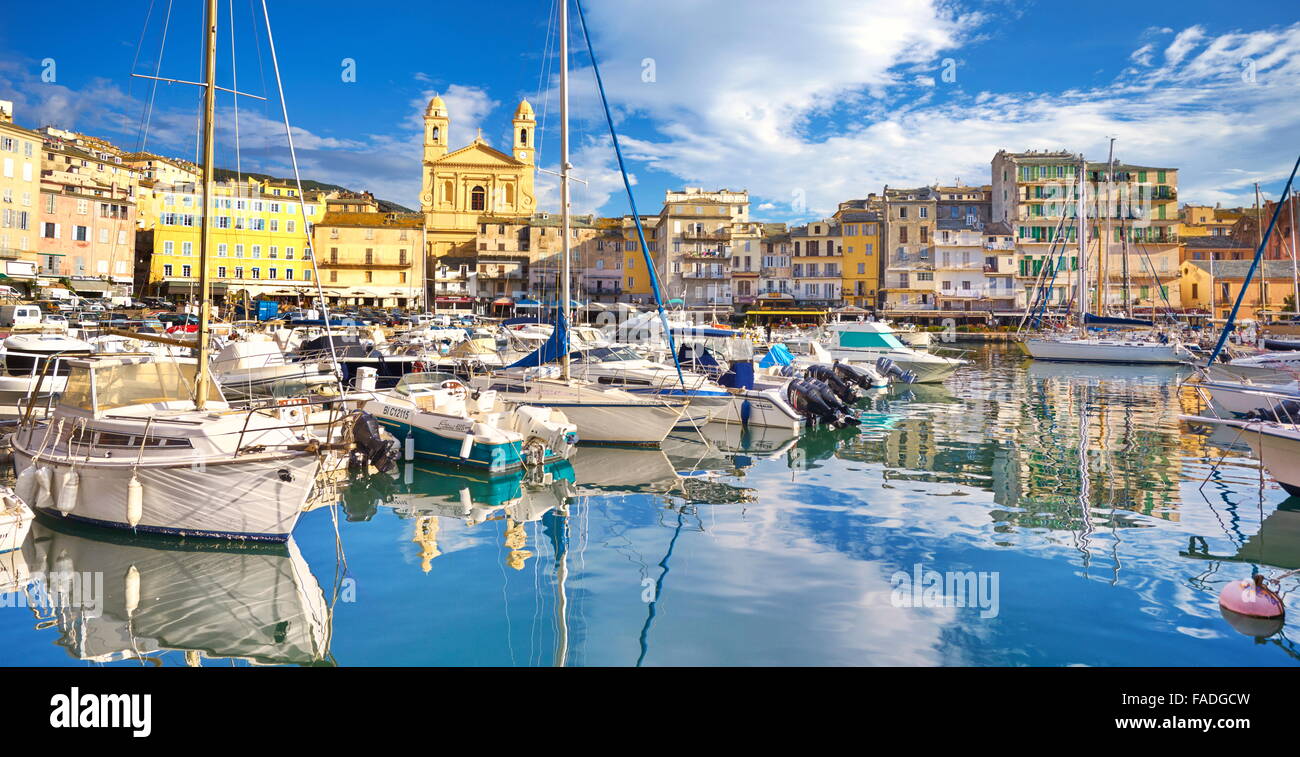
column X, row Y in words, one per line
column 636, row 274
column 258, row 241
column 860, row 228
column 20, row 194
column 475, row 180
column 371, row 258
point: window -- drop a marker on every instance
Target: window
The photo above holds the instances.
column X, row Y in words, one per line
column 257, row 273
column 186, row 270
column 478, row 199
column 221, row 272
column 81, row 233
column 167, row 270
column 288, row 274
column 239, row 272
column 270, row 273
column 187, row 248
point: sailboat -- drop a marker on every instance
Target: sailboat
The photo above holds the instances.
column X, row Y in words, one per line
column 1082, row 347
column 148, row 443
column 603, row 415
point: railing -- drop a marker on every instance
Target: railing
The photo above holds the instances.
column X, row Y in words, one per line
column 710, row 275
column 707, row 254
column 706, row 236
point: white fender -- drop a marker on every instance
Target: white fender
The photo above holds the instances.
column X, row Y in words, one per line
column 409, row 449
column 131, row 590
column 25, row 488
column 466, row 445
column 134, row 501
column 68, row 489
column 44, row 486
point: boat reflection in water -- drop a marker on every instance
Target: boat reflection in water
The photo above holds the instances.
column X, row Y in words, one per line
column 727, row 447
column 427, row 494
column 113, row 596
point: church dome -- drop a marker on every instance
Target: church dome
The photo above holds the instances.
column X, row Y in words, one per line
column 525, row 110
column 436, row 104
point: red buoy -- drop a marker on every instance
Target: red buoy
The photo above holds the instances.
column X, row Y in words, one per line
column 1250, row 597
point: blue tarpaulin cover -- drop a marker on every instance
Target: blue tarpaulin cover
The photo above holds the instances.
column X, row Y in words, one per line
column 552, row 348
column 777, row 354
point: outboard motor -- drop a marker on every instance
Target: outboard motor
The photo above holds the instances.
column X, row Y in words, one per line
column 851, row 374
column 887, row 367
column 843, row 413
column 374, row 445
column 828, row 375
column 808, row 402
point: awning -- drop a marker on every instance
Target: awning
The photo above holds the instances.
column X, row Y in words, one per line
column 97, row 285
column 188, row 287
column 786, row 312
column 497, row 301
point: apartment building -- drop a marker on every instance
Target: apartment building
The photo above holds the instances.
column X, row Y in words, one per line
column 818, row 263
column 776, row 274
column 20, row 188
column 695, row 240
column 258, row 240
column 909, row 247
column 861, row 222
column 371, row 258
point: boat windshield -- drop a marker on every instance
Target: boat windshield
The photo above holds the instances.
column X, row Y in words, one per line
column 415, row 382
column 604, row 355
column 99, row 387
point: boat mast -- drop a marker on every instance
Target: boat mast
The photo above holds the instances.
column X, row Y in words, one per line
column 1295, row 274
column 209, row 108
column 564, row 175
column 1081, row 212
column 1104, row 247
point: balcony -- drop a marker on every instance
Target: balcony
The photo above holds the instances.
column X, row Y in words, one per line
column 721, row 254
column 8, row 253
column 360, row 265
column 745, row 272
column 705, row 236
column 768, row 272
column 599, row 289
column 501, row 275
column 706, row 275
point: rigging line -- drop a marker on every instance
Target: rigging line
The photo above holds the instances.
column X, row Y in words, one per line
column 627, row 184
column 302, row 202
column 1254, row 264
column 234, row 94
column 146, row 117
column 135, row 60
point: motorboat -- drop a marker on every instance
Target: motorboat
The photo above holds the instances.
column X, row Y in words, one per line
column 256, row 366
column 447, row 423
column 36, row 362
column 869, row 341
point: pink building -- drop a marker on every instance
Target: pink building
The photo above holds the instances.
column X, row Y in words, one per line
column 87, row 233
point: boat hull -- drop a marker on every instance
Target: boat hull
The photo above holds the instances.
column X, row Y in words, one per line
column 243, row 499
column 1099, row 352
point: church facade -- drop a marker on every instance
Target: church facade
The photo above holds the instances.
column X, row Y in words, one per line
column 476, row 180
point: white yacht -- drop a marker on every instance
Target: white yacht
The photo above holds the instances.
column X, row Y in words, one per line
column 1090, row 349
column 32, row 359
column 602, row 414
column 868, row 341
column 256, row 366
column 1276, row 445
column 156, row 460
column 621, row 367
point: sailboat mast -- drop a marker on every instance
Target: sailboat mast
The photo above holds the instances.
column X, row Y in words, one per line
column 1081, row 212
column 564, row 174
column 1104, row 247
column 209, row 108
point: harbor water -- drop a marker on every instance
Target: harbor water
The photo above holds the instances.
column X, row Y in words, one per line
column 1020, row 513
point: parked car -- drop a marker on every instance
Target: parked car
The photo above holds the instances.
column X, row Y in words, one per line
column 19, row 315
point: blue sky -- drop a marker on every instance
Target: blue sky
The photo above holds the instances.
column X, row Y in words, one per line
column 803, row 104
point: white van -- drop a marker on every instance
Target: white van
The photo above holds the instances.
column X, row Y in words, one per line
column 15, row 316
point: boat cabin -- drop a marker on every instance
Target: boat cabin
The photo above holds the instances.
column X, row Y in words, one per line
column 97, row 387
